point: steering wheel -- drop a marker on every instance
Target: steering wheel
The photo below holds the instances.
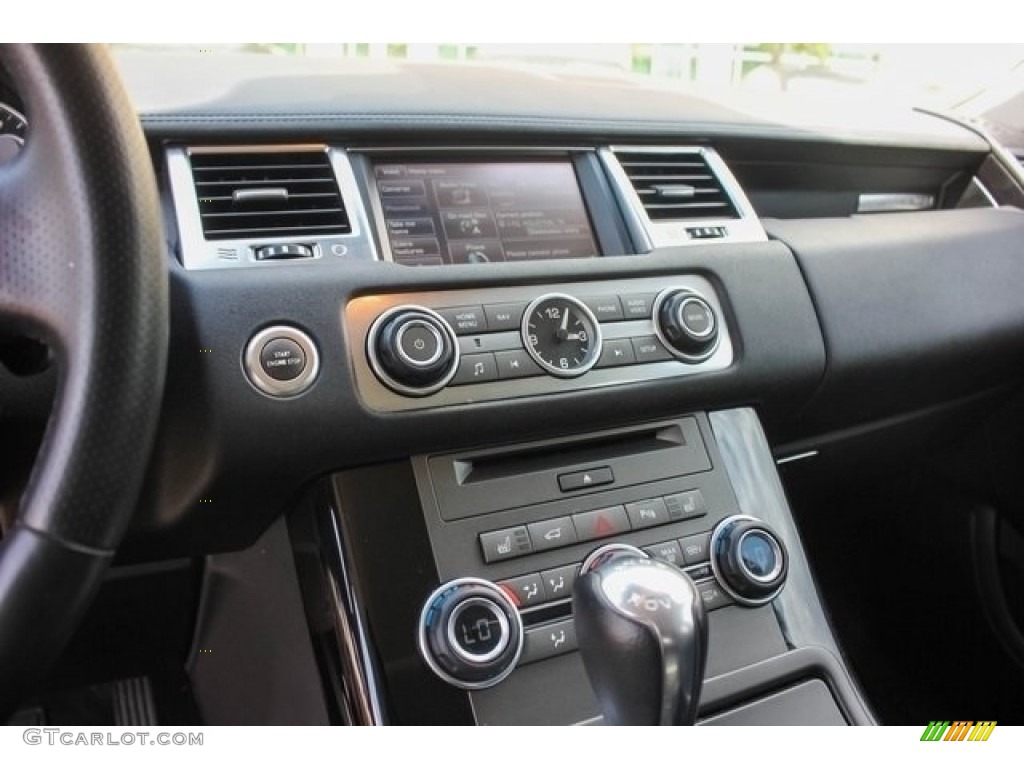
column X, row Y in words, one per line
column 82, row 269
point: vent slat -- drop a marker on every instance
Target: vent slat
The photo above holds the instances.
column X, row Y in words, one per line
column 272, row 232
column 313, row 205
column 696, row 191
column 255, row 182
column 660, row 164
column 260, row 167
column 661, row 177
column 650, row 171
column 272, row 212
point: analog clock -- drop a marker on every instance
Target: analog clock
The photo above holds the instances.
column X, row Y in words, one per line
column 562, row 335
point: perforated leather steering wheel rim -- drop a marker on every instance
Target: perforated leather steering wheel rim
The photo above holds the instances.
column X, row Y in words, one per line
column 82, row 268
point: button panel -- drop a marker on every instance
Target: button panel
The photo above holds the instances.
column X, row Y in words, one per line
column 532, row 589
column 488, row 320
column 593, row 524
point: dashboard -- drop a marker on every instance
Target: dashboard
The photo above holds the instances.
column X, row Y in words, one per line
column 450, row 343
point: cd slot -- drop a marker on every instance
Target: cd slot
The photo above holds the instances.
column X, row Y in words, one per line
column 594, row 451
column 479, row 482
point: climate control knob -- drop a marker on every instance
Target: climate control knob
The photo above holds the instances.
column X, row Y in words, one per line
column 413, row 350
column 748, row 559
column 470, row 634
column 687, row 324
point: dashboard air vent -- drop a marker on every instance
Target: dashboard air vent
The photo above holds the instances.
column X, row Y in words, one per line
column 677, row 186
column 268, row 194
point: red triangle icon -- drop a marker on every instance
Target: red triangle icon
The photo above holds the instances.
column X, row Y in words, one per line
column 602, row 527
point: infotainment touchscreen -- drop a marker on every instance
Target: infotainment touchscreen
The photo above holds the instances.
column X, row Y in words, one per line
column 477, row 212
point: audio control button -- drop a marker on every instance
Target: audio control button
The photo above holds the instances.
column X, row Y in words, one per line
column 616, row 352
column 412, row 350
column 637, row 306
column 516, row 364
column 419, row 343
column 476, row 369
column 687, row 324
column 697, row 317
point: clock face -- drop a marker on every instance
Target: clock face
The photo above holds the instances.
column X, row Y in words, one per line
column 562, row 335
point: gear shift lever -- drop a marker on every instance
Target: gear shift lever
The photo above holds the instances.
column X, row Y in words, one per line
column 642, row 630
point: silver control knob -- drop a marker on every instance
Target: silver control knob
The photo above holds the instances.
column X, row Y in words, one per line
column 687, row 323
column 470, row 633
column 748, row 559
column 413, row 350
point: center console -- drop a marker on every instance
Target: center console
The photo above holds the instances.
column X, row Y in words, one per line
column 472, row 619
column 452, row 569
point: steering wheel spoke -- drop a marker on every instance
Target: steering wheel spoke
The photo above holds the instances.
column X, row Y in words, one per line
column 38, row 283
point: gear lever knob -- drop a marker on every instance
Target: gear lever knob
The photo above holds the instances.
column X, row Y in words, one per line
column 642, row 630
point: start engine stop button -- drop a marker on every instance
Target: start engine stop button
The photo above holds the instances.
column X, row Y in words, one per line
column 281, row 361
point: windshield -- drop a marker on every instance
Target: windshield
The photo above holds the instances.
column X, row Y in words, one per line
column 946, row 77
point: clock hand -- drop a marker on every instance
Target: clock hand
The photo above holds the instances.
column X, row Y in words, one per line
column 563, row 330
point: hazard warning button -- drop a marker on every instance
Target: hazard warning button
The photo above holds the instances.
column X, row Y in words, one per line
column 599, row 523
